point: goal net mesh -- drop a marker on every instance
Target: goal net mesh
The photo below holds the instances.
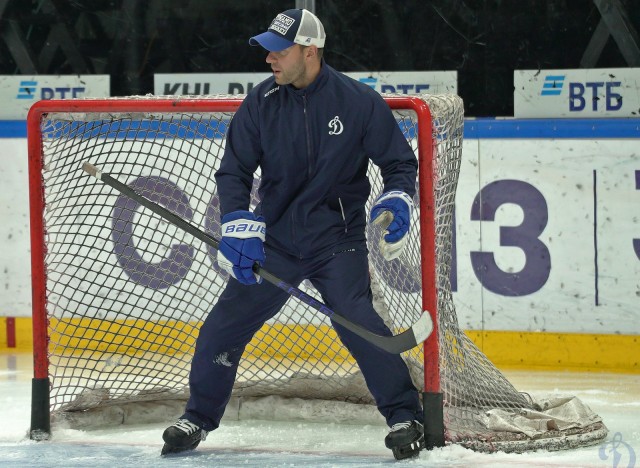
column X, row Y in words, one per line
column 126, row 291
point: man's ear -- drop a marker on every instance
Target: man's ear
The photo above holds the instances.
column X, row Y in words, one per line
column 312, row 51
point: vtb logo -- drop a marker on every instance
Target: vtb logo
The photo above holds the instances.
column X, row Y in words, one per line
column 553, row 85
column 395, row 88
column 597, row 93
column 29, row 90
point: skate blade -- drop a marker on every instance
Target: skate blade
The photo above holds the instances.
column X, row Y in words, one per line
column 402, row 454
column 408, row 451
column 171, row 450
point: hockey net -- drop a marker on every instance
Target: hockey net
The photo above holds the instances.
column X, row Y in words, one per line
column 119, row 293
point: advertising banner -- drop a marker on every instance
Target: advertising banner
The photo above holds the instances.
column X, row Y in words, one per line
column 583, row 93
column 414, row 82
column 547, row 235
column 242, row 83
column 170, row 84
column 19, row 92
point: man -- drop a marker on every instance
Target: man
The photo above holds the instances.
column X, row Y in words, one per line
column 312, row 131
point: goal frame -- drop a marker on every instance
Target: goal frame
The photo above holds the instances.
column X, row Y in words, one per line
column 40, row 428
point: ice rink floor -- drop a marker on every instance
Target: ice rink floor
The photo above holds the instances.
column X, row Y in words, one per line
column 615, row 397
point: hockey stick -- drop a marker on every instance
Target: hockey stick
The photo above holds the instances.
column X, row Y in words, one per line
column 395, row 344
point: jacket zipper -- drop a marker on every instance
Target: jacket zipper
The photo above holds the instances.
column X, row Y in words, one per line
column 308, row 134
column 344, row 219
column 309, row 168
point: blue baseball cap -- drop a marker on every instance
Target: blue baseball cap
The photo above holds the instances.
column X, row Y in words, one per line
column 296, row 26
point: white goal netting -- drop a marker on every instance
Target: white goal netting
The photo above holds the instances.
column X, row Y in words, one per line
column 126, row 291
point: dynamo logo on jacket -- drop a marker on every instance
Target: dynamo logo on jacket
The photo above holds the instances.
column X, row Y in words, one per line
column 336, row 126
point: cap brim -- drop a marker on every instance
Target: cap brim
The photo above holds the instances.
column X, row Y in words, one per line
column 270, row 41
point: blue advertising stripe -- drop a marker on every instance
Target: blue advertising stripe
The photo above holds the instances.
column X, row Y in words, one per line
column 125, row 129
column 480, row 128
column 13, row 129
column 138, row 129
column 507, row 128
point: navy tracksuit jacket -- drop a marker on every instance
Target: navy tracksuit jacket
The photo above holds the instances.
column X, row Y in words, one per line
column 313, row 147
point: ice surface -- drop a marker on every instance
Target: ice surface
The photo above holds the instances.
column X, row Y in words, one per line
column 615, row 397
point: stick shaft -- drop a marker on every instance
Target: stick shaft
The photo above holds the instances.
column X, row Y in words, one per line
column 393, row 344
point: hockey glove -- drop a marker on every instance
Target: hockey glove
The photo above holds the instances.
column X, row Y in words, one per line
column 241, row 245
column 392, row 211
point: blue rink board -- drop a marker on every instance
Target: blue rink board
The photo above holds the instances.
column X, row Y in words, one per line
column 481, row 128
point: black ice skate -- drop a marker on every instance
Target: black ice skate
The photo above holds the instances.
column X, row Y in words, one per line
column 405, row 439
column 182, row 436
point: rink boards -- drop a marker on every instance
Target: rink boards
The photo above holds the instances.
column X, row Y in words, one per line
column 580, row 309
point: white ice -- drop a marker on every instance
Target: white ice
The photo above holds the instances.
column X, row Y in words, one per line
column 615, row 397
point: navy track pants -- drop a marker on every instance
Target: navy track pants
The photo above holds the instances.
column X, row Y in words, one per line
column 343, row 281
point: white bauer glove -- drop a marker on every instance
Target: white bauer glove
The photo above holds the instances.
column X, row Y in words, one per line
column 241, row 246
column 392, row 211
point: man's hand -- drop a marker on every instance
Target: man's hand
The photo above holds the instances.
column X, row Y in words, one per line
column 241, row 245
column 392, row 211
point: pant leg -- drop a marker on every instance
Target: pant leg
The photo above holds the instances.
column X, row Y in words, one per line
column 344, row 282
column 229, row 327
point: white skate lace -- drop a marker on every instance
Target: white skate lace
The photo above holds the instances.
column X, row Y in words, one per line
column 402, row 425
column 189, row 428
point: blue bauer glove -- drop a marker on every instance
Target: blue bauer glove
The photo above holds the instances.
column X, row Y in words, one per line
column 392, row 211
column 241, row 245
